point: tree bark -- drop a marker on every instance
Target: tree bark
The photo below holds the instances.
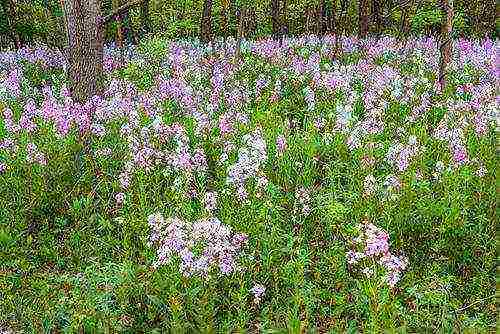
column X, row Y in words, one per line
column 324, row 18
column 145, row 17
column 252, row 21
column 224, row 18
column 118, row 19
column 308, row 19
column 284, row 20
column 445, row 46
column 10, row 10
column 85, row 48
column 331, row 17
column 206, row 22
column 275, row 18
column 363, row 18
column 241, row 26
column 405, row 19
column 344, row 4
column 376, row 17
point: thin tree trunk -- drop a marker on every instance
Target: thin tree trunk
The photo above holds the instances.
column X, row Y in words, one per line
column 308, row 19
column 445, row 46
column 343, row 27
column 85, row 48
column 224, row 18
column 323, row 18
column 363, row 18
column 85, row 61
column 118, row 19
column 405, row 20
column 241, row 26
column 252, row 19
column 376, row 17
column 11, row 13
column 331, row 17
column 206, row 22
column 284, row 20
column 275, row 18
column 145, row 17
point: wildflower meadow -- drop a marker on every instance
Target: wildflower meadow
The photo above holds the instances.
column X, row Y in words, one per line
column 313, row 185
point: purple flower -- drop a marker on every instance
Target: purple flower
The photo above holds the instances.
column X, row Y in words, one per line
column 258, row 291
column 220, row 248
column 210, row 200
column 460, row 155
column 281, row 144
column 119, row 198
column 374, row 243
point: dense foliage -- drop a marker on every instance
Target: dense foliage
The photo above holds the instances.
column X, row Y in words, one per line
column 304, row 186
column 42, row 20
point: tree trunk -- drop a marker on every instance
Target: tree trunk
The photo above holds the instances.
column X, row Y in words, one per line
column 308, row 19
column 363, row 18
column 344, row 4
column 145, row 17
column 323, row 18
column 85, row 48
column 206, row 22
column 275, row 18
column 224, row 18
column 376, row 17
column 331, row 17
column 118, row 19
column 252, row 21
column 284, row 21
column 241, row 26
column 11, row 14
column 445, row 46
column 405, row 19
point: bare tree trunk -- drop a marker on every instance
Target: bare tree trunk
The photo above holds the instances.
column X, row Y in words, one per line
column 145, row 17
column 344, row 4
column 376, row 17
column 206, row 22
column 405, row 19
column 324, row 18
column 118, row 19
column 85, row 48
column 490, row 14
column 445, row 46
column 224, row 18
column 331, row 17
column 363, row 18
column 241, row 25
column 308, row 19
column 11, row 14
column 284, row 21
column 275, row 17
column 252, row 21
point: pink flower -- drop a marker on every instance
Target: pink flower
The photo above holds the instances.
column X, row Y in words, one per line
column 210, row 200
column 258, row 291
column 281, row 144
column 119, row 198
column 460, row 155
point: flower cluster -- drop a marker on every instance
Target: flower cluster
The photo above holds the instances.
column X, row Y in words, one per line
column 202, row 247
column 401, row 155
column 258, row 291
column 251, row 157
column 370, row 247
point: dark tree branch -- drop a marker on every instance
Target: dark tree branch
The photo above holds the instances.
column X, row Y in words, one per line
column 120, row 10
